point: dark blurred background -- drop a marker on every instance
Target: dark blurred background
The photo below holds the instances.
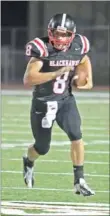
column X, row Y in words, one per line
column 24, row 20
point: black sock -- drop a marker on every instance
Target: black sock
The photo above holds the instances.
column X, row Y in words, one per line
column 29, row 163
column 78, row 173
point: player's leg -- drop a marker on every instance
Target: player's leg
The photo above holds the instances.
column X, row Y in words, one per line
column 42, row 118
column 69, row 120
column 41, row 146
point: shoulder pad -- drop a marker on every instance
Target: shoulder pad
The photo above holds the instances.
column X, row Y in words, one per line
column 36, row 48
column 83, row 42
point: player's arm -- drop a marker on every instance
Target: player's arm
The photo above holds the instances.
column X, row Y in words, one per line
column 87, row 68
column 33, row 75
column 85, row 64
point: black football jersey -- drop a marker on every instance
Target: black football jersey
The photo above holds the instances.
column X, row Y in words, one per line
column 53, row 60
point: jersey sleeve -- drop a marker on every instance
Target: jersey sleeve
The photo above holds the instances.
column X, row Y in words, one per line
column 84, row 44
column 36, row 48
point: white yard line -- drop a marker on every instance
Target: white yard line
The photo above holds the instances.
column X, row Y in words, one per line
column 10, row 211
column 58, row 161
column 24, row 122
column 89, row 94
column 49, row 189
column 53, row 208
column 53, row 133
column 88, row 152
column 28, row 126
column 5, row 116
column 13, row 212
column 79, row 101
column 53, row 143
column 26, row 118
column 5, row 125
column 55, row 203
column 55, row 173
column 92, row 101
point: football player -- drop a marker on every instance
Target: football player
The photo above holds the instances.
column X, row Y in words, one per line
column 51, row 67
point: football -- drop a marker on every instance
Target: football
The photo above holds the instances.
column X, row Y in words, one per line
column 80, row 77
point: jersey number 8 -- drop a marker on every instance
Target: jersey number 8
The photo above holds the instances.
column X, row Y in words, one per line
column 60, row 83
column 28, row 50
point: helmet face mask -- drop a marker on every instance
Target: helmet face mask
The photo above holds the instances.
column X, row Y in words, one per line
column 60, row 39
column 61, row 31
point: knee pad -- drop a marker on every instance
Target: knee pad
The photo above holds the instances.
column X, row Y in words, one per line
column 41, row 148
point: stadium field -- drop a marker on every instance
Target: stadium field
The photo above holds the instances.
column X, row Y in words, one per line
column 53, row 190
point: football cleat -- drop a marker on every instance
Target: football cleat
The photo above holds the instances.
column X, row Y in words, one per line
column 83, row 188
column 28, row 174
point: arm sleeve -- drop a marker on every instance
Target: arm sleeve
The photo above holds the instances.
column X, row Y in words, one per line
column 36, row 48
column 84, row 43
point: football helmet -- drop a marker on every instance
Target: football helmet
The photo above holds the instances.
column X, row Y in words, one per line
column 61, row 31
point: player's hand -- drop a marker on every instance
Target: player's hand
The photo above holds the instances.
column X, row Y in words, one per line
column 88, row 85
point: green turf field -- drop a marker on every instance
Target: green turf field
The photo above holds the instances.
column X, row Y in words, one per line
column 53, row 172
